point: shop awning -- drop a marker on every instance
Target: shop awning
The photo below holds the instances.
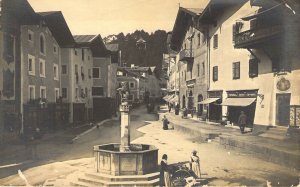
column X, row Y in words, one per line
column 208, row 100
column 238, row 101
column 166, row 97
column 174, row 99
column 169, row 98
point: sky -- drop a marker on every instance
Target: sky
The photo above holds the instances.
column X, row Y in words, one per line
column 107, row 17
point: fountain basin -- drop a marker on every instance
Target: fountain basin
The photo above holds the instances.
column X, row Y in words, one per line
column 141, row 160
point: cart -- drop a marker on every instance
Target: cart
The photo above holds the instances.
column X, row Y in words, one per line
column 181, row 175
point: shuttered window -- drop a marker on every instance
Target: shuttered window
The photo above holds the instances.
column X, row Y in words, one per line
column 215, row 73
column 253, row 68
column 215, row 44
column 236, row 70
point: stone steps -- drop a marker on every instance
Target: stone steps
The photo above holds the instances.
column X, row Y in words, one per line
column 109, row 178
column 88, row 181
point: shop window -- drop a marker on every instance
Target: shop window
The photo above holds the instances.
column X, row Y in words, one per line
column 253, row 68
column 236, row 70
column 215, row 73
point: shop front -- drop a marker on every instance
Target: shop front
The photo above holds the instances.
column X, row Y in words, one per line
column 213, row 110
column 240, row 101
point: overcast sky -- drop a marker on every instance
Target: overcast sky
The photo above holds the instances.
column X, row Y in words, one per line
column 114, row 16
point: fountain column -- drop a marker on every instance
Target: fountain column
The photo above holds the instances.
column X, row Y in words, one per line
column 125, row 131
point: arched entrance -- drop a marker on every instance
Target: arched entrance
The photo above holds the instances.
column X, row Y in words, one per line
column 183, row 101
column 200, row 106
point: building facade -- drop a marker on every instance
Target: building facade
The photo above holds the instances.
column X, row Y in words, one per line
column 244, row 55
column 191, row 62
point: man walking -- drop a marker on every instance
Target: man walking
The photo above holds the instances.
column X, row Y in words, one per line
column 242, row 121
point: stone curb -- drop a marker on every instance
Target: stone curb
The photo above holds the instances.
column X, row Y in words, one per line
column 89, row 130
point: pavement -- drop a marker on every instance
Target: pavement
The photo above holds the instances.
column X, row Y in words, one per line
column 219, row 166
column 284, row 151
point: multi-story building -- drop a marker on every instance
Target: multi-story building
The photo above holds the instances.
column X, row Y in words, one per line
column 272, row 36
column 137, row 84
column 191, row 62
column 94, row 63
column 152, row 87
column 76, row 73
column 244, row 56
column 13, row 15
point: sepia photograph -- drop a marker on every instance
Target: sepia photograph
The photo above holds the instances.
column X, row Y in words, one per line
column 162, row 93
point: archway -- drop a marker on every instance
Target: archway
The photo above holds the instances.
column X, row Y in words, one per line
column 200, row 106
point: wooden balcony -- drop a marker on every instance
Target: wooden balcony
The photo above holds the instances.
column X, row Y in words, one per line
column 186, row 55
column 191, row 82
column 255, row 37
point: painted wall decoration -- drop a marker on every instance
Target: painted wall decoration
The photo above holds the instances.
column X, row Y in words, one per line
column 283, row 84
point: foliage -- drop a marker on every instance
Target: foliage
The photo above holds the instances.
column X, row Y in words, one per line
column 150, row 56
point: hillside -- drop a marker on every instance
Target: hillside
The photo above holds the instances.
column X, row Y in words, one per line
column 151, row 55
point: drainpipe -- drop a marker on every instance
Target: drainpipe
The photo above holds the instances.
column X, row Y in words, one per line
column 208, row 69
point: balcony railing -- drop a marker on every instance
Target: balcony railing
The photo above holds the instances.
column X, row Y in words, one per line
column 252, row 38
column 186, row 55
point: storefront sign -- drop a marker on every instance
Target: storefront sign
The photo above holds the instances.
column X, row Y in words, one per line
column 215, row 94
column 242, row 94
column 283, row 84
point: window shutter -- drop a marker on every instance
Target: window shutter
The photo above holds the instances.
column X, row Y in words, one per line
column 233, row 32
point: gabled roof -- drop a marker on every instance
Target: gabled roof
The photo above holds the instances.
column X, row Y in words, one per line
column 58, row 27
column 215, row 8
column 112, row 47
column 84, row 39
column 129, row 72
column 184, row 19
column 94, row 42
column 17, row 11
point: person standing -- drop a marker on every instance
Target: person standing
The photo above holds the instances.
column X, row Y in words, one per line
column 164, row 172
column 242, row 121
column 165, row 122
column 195, row 164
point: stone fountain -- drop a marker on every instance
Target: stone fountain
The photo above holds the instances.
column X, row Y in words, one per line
column 124, row 163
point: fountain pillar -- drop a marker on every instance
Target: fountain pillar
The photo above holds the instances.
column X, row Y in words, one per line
column 125, row 129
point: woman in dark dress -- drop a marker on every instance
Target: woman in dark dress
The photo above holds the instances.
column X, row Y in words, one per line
column 164, row 172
